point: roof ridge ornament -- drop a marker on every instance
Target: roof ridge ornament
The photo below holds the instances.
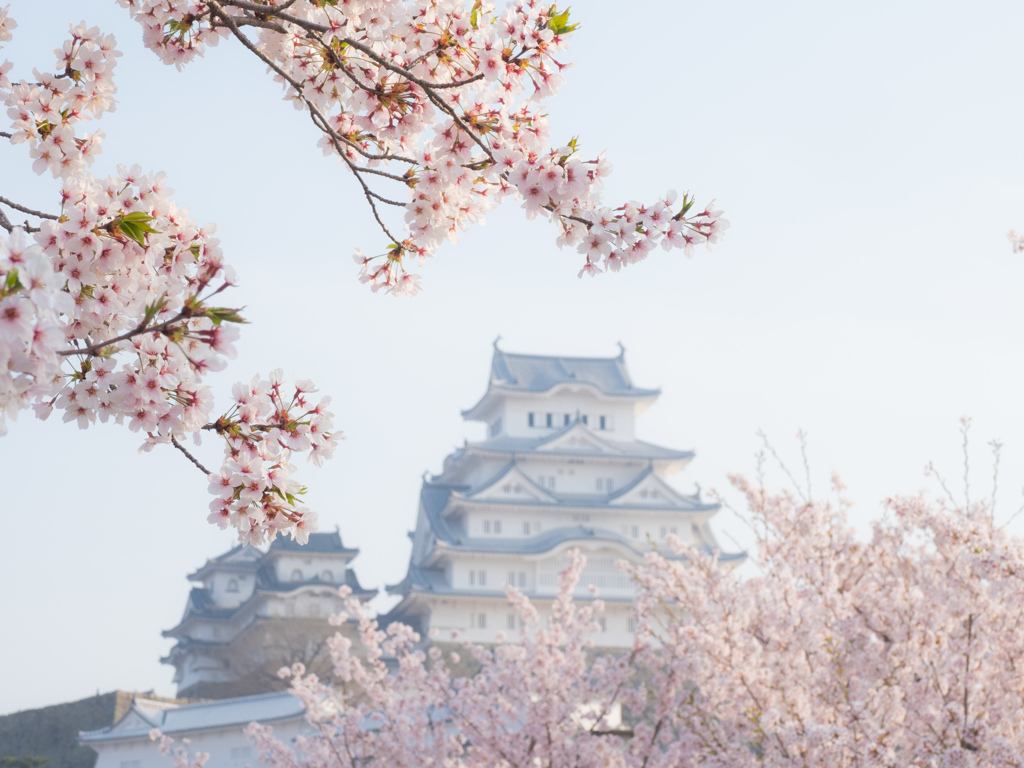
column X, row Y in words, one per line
column 622, row 350
column 496, row 340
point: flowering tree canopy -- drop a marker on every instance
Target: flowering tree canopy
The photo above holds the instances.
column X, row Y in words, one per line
column 904, row 649
column 110, row 303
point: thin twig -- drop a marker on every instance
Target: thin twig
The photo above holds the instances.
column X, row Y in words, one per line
column 189, row 456
column 29, row 211
column 997, row 449
column 965, row 426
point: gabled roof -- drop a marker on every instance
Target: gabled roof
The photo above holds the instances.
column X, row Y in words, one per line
column 510, row 473
column 537, row 374
column 143, row 716
column 650, row 478
column 245, row 558
column 318, row 542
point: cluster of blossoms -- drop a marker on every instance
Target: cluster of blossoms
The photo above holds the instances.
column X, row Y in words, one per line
column 1016, row 240
column 254, row 492
column 904, row 649
column 443, row 99
column 106, row 306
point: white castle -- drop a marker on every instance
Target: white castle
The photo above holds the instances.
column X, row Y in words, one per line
column 254, row 610
column 561, row 468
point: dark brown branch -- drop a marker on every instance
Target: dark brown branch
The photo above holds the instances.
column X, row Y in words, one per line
column 6, row 135
column 5, row 222
column 189, row 456
column 29, row 211
column 92, row 349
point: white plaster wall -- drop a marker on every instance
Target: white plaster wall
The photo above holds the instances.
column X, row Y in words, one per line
column 620, row 419
column 497, row 570
column 218, row 586
column 462, row 615
column 310, row 566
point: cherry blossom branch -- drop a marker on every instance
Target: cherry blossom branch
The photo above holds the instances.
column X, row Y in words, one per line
column 30, row 211
column 189, row 456
column 167, row 325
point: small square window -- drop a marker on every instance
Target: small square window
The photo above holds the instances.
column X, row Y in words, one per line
column 631, row 626
column 526, row 529
column 603, row 423
column 568, row 419
column 511, row 621
column 530, row 419
column 472, row 578
column 549, row 420
column 497, row 526
column 522, row 579
column 483, row 578
column 481, row 621
column 487, row 526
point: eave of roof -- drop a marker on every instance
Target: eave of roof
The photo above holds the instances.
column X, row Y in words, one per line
column 539, row 374
column 190, row 718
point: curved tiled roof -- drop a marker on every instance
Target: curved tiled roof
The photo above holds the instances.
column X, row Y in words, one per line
column 318, row 542
column 540, row 373
column 263, row 708
column 634, row 449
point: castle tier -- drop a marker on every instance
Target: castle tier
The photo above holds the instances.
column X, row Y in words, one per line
column 256, row 610
column 561, row 468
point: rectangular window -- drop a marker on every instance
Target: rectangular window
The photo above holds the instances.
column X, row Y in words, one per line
column 551, row 482
column 583, row 418
column 483, row 578
column 664, row 531
column 526, row 529
column 602, row 622
column 600, row 483
column 635, row 532
column 530, row 419
column 487, row 526
column 481, row 621
column 603, row 423
column 511, row 621
column 497, row 526
column 631, row 626
column 608, row 485
column 522, row 579
column 672, row 530
column 511, row 578
column 472, row 578
column 568, row 419
column 549, row 420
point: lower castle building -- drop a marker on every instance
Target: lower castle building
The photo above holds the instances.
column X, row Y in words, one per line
column 561, row 468
column 253, row 611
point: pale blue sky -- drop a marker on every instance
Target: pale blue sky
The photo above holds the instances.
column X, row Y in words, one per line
column 868, row 156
